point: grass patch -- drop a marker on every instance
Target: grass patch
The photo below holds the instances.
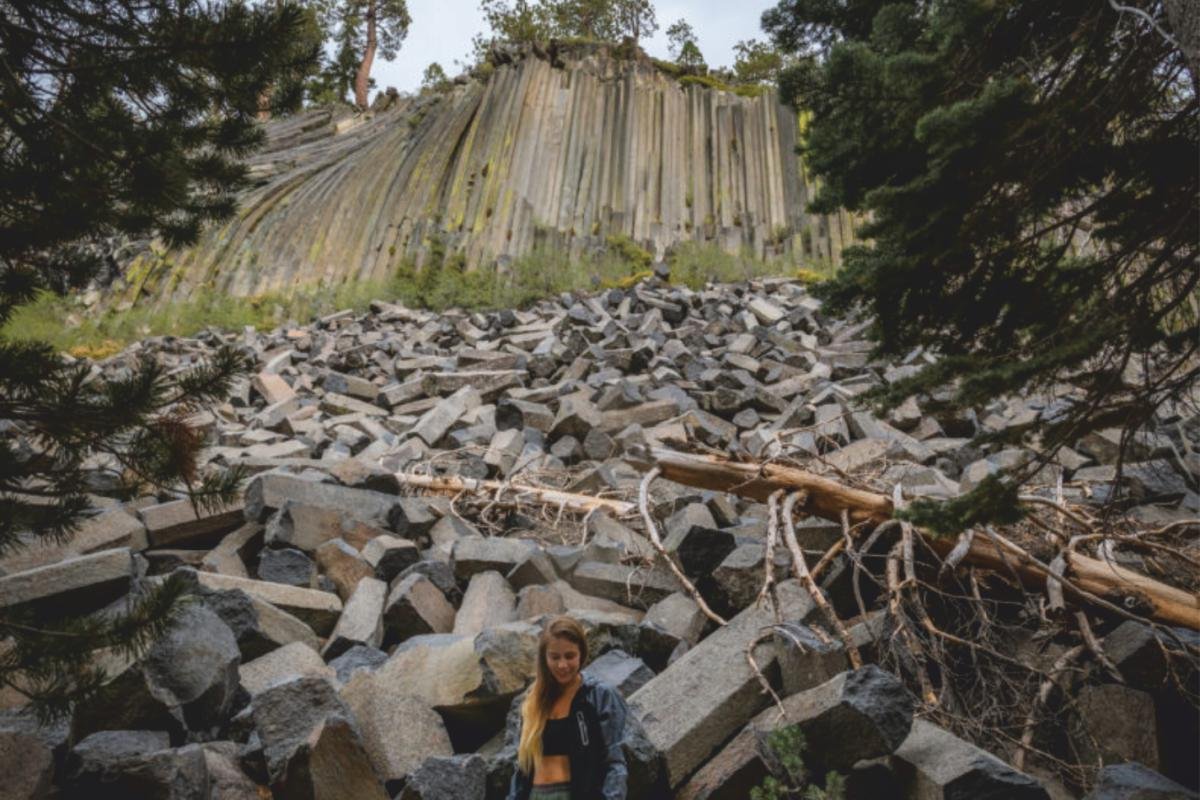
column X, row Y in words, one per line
column 742, row 90
column 544, row 272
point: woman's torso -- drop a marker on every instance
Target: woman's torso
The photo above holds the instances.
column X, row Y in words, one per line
column 557, row 768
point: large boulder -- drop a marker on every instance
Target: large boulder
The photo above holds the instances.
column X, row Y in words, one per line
column 857, row 715
column 703, row 698
column 361, row 621
column 289, row 662
column 79, row 584
column 934, row 764
column 448, row 778
column 618, row 669
column 258, row 626
column 469, row 680
column 310, row 744
column 186, row 681
column 1132, row 781
column 415, row 606
column 29, row 752
column 488, row 601
column 226, row 779
column 319, row 610
column 399, row 731
column 135, row 764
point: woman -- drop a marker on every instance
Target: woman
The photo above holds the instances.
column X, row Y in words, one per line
column 571, row 726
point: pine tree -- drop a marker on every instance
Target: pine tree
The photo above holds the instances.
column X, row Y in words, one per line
column 1031, row 174
column 384, row 25
column 117, row 119
column 434, row 79
column 757, row 62
column 682, row 44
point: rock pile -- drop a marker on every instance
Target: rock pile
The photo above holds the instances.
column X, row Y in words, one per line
column 352, row 636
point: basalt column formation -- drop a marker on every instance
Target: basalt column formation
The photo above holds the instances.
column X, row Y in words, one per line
column 564, row 148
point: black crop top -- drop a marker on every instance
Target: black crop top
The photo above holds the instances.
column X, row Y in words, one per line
column 560, row 737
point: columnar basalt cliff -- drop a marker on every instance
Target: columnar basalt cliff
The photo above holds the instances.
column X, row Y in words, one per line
column 565, row 147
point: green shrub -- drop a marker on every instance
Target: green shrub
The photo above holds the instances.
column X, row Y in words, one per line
column 788, row 745
column 694, row 264
column 631, row 251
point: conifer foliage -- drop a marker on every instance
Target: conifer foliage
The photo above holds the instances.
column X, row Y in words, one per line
column 117, row 119
column 1030, row 172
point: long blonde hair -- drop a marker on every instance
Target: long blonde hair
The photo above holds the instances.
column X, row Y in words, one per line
column 544, row 691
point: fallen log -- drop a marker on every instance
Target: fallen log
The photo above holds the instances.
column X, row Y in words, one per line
column 503, row 491
column 1086, row 579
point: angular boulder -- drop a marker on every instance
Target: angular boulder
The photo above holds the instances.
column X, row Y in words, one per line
column 186, row 681
column 311, row 745
column 935, row 764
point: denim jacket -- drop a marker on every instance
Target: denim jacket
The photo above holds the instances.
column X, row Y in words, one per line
column 598, row 771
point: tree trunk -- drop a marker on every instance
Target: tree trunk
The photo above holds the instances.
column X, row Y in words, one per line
column 362, row 81
column 828, row 499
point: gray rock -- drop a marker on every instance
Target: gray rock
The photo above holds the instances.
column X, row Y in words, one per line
column 535, row 601
column 399, row 732
column 440, row 574
column 179, row 523
column 287, row 565
column 488, row 601
column 671, row 621
column 359, row 657
column 693, row 537
column 79, row 584
column 618, row 669
column 629, row 585
column 119, row 764
column 296, row 660
column 737, row 580
column 1118, row 723
column 272, row 491
column 857, row 715
column 185, row 682
column 415, row 606
column 413, row 517
column 1137, row 653
column 462, row 777
column 390, row 555
column 935, row 764
column 536, row 568
column 361, row 621
column 474, row 555
column 700, row 701
column 258, row 626
column 226, row 780
column 30, row 753
column 434, row 424
column 1135, row 782
column 311, row 745
column 319, row 610
column 805, row 661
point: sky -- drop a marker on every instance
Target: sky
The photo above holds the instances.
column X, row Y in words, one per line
column 441, row 31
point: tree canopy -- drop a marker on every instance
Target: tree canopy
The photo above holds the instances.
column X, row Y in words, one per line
column 1029, row 171
column 525, row 22
column 117, row 119
column 683, row 47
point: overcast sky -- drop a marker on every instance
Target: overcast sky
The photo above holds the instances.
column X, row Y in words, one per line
column 442, row 29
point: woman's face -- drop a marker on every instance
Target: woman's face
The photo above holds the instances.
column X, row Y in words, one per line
column 562, row 657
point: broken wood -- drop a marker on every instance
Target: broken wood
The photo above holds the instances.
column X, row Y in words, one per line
column 516, row 492
column 1086, row 579
column 652, row 532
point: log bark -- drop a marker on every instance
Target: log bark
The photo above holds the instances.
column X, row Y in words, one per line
column 516, row 492
column 827, row 499
column 362, row 81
